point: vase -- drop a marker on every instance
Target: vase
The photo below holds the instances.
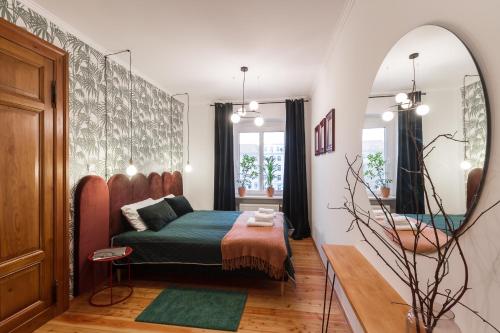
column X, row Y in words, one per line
column 445, row 324
column 270, row 192
column 385, row 191
column 242, row 191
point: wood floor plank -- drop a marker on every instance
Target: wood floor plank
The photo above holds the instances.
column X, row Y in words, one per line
column 299, row 310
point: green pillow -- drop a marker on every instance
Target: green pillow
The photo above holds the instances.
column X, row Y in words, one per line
column 158, row 215
column 180, row 205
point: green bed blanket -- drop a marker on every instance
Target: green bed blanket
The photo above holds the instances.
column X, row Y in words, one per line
column 439, row 221
column 194, row 238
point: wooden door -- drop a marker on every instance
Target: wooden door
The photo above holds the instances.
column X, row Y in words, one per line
column 30, row 196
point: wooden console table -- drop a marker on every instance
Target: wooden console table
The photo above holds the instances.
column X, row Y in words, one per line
column 378, row 307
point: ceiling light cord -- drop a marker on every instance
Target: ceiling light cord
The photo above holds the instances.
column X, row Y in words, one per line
column 130, row 104
column 187, row 117
column 243, row 106
column 106, row 116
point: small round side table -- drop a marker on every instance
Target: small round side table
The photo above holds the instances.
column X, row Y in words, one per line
column 110, row 260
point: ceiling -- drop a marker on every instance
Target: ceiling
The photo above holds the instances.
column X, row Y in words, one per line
column 198, row 46
column 442, row 63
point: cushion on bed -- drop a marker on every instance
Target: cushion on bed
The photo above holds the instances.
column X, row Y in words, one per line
column 158, row 215
column 180, row 205
column 133, row 217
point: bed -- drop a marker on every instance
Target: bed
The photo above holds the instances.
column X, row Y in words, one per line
column 194, row 238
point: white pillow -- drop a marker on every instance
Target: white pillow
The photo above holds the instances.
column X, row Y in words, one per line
column 133, row 217
column 155, row 201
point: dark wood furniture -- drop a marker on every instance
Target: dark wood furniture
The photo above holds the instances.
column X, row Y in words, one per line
column 330, row 131
column 34, row 275
column 378, row 307
column 109, row 261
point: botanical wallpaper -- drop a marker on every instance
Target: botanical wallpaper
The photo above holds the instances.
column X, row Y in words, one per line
column 475, row 123
column 157, row 121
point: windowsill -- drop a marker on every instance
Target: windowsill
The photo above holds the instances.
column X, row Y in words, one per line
column 260, row 197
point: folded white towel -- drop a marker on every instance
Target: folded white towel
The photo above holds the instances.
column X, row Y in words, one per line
column 253, row 223
column 261, row 217
column 266, row 210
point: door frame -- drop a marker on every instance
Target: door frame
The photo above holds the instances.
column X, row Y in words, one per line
column 60, row 57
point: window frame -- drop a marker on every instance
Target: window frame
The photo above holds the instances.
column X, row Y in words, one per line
column 390, row 145
column 248, row 126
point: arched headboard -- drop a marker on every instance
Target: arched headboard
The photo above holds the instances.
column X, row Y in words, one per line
column 473, row 181
column 140, row 188
column 91, row 229
column 98, row 215
column 120, row 194
column 155, row 185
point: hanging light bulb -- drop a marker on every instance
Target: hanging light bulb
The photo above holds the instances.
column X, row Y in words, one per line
column 235, row 118
column 401, row 97
column 422, row 109
column 259, row 121
column 465, row 165
column 131, row 169
column 387, row 116
column 406, row 104
column 254, row 106
column 188, row 168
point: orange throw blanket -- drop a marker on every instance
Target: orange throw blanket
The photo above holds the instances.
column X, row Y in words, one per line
column 261, row 248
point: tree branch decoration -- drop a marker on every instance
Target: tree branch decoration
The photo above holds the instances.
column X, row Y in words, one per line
column 430, row 298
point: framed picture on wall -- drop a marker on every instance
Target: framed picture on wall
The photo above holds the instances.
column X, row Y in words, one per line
column 316, row 141
column 330, row 131
column 322, row 136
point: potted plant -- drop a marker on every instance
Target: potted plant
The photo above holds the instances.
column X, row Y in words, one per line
column 248, row 171
column 375, row 170
column 269, row 171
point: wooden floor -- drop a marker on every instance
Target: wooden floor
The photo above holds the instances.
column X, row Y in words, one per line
column 299, row 310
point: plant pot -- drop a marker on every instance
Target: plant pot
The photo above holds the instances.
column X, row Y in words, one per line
column 242, row 191
column 270, row 192
column 385, row 192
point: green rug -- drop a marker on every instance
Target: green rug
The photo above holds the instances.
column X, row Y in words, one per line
column 203, row 308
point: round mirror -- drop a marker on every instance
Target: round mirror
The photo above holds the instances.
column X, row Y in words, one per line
column 426, row 130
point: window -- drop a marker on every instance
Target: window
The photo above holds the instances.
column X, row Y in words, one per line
column 260, row 143
column 373, row 142
column 381, row 136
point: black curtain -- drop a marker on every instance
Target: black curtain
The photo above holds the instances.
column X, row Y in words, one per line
column 410, row 184
column 224, row 162
column 295, row 179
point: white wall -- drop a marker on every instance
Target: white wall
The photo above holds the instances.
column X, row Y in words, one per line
column 369, row 32
column 443, row 162
column 199, row 184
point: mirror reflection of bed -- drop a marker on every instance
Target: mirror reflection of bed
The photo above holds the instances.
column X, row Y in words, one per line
column 428, row 85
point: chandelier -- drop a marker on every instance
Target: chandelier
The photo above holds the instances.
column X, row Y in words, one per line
column 409, row 101
column 253, row 107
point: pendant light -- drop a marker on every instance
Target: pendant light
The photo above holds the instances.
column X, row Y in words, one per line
column 131, row 169
column 253, row 107
column 410, row 101
column 188, row 167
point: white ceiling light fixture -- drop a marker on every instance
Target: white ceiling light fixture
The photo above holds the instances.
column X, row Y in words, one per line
column 387, row 116
column 409, row 101
column 253, row 107
column 465, row 165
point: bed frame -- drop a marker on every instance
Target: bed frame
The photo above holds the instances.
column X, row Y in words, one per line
column 98, row 214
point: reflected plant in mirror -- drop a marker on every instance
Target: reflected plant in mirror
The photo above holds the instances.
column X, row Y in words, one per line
column 438, row 132
column 375, row 171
